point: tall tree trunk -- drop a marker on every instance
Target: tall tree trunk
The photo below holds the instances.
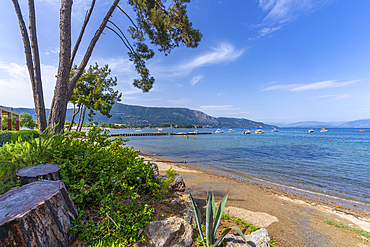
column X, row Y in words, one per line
column 32, row 61
column 58, row 107
column 83, row 119
column 73, row 116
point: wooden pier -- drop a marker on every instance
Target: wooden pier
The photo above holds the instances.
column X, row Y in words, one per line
column 160, row 134
column 142, row 134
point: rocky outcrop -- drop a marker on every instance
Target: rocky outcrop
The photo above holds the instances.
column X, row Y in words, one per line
column 171, row 232
column 154, row 166
column 178, row 184
column 34, row 173
column 258, row 238
column 37, row 214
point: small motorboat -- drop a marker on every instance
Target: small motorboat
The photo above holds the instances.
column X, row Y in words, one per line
column 310, row 131
column 275, row 130
column 230, row 131
column 193, row 133
column 323, row 130
column 219, row 131
column 246, row 132
column 159, row 129
column 259, row 131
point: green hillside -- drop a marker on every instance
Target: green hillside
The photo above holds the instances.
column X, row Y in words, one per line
column 139, row 115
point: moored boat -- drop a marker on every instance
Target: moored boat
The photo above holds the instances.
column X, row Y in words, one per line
column 230, row 131
column 275, row 130
column 310, row 130
column 219, row 131
column 259, row 131
column 247, row 132
column 323, row 130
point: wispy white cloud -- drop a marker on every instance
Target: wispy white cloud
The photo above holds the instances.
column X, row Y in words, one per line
column 267, row 30
column 281, row 12
column 223, row 110
column 196, row 79
column 182, row 101
column 52, row 50
column 224, row 53
column 16, row 86
column 310, row 86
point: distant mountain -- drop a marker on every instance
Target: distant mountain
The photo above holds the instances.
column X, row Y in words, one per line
column 364, row 123
column 139, row 115
column 313, row 124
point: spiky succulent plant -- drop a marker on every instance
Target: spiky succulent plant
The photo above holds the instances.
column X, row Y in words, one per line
column 213, row 218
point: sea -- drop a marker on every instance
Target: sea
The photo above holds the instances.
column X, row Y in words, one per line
column 334, row 163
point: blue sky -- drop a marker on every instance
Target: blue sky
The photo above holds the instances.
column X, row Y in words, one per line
column 276, row 61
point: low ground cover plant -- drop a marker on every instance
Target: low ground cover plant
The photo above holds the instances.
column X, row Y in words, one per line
column 107, row 181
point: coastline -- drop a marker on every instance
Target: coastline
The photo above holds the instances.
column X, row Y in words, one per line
column 292, row 217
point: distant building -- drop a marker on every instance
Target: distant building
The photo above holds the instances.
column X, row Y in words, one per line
column 10, row 113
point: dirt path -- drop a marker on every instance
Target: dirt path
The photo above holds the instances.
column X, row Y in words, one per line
column 291, row 219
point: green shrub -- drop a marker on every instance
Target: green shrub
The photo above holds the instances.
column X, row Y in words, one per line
column 23, row 135
column 4, row 137
column 101, row 175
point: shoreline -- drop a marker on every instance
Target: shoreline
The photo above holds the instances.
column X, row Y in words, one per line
column 297, row 210
column 349, row 203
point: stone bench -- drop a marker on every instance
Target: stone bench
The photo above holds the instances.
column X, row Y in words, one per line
column 37, row 214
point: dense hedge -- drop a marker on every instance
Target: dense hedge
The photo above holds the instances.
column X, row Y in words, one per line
column 23, row 135
column 4, row 137
column 19, row 135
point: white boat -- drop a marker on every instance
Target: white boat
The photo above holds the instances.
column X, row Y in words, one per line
column 259, row 131
column 219, row 131
column 275, row 130
column 159, row 129
column 323, row 130
column 138, row 130
column 247, row 132
column 310, row 130
column 230, row 131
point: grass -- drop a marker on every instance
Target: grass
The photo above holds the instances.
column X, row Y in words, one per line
column 339, row 225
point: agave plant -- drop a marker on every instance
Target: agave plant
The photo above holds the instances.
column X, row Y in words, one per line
column 213, row 218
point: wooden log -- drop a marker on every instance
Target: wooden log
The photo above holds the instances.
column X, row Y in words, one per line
column 35, row 173
column 37, row 214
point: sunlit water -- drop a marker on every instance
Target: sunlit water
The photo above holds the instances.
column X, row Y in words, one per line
column 340, row 167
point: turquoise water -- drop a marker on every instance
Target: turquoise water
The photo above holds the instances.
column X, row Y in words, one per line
column 291, row 156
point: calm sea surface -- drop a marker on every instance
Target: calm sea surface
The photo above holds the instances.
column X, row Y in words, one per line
column 340, row 167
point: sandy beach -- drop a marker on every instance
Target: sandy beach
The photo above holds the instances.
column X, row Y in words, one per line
column 292, row 219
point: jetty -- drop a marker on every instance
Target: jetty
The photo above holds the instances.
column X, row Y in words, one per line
column 160, row 133
column 142, row 134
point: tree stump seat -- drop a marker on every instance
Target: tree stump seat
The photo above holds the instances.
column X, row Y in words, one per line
column 37, row 214
column 34, row 173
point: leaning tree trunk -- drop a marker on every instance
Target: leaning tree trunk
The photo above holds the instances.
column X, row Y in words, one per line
column 32, row 61
column 73, row 116
column 83, row 119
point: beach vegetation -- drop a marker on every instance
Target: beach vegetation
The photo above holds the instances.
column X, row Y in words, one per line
column 364, row 233
column 213, row 218
column 111, row 187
